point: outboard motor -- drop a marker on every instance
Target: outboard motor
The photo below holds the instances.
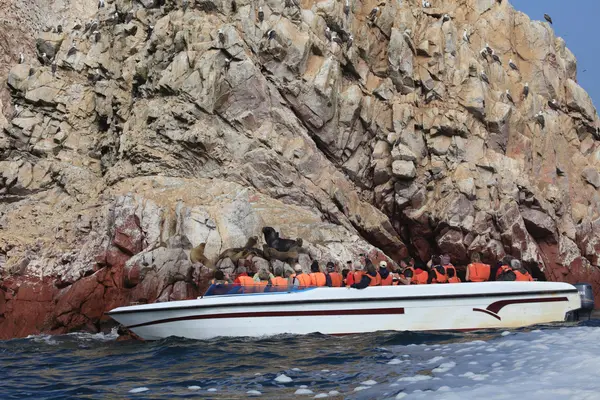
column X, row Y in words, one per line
column 587, row 300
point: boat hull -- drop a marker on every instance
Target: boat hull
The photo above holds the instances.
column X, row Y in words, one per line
column 339, row 311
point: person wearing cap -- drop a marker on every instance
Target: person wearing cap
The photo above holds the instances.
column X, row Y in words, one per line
column 300, row 279
column 367, row 278
column 385, row 275
column 332, row 278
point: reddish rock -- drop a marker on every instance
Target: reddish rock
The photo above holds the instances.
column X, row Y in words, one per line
column 129, row 236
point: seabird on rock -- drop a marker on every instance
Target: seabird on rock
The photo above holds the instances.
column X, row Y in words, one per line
column 53, row 68
column 408, row 40
column 350, row 40
column 271, row 34
column 526, row 89
column 72, row 50
column 347, row 8
column 426, row 4
column 328, row 33
column 96, row 36
column 149, row 31
column 466, row 37
column 373, row 13
column 540, row 118
column 484, row 77
column 233, row 6
column 489, row 49
column 59, row 28
column 335, row 38
column 508, row 96
column 221, row 36
column 547, row 18
column 129, row 17
column 227, row 64
column 100, row 4
column 553, row 104
column 21, row 58
column 261, row 14
column 45, row 59
column 445, row 18
column 483, row 53
column 94, row 25
column 512, row 64
column 184, row 5
column 31, row 71
column 495, row 57
column 16, row 112
column 77, row 25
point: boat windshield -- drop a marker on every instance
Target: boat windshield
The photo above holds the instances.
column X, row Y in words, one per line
column 224, row 289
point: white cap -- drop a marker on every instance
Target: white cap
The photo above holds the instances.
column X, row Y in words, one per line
column 383, row 264
column 298, row 268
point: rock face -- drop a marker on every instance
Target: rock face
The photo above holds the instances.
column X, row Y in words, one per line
column 170, row 127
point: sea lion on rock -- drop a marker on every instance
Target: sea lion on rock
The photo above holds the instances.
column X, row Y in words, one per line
column 197, row 256
column 275, row 242
column 285, row 256
column 238, row 253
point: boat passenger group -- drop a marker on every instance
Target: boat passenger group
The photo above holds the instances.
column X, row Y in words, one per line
column 439, row 269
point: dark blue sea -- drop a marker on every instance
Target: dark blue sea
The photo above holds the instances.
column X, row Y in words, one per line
column 546, row 362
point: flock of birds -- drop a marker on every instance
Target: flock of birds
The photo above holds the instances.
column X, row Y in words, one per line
column 92, row 29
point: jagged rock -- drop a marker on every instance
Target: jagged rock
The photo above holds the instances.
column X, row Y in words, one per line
column 404, row 169
column 591, row 176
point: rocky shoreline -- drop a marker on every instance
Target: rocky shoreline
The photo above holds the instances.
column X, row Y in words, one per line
column 162, row 128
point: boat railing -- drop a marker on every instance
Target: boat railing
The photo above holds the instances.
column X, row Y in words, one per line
column 219, row 289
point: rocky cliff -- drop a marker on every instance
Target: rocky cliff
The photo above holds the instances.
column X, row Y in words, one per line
column 154, row 125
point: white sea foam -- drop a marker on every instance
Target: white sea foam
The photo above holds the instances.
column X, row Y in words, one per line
column 212, row 390
column 139, row 390
column 283, row 379
column 303, row 391
column 321, row 396
column 359, row 388
column 416, row 378
column 334, row 393
column 395, row 361
column 370, row 382
column 194, row 387
column 445, row 367
column 253, row 393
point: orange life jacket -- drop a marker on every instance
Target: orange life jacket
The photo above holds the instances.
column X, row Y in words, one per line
column 523, row 277
column 420, row 279
column 279, row 283
column 479, row 272
column 375, row 280
column 387, row 281
column 317, row 279
column 440, row 274
column 358, row 276
column 303, row 280
column 336, row 279
column 246, row 281
column 451, row 274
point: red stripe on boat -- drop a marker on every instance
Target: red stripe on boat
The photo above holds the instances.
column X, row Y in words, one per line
column 326, row 313
column 499, row 305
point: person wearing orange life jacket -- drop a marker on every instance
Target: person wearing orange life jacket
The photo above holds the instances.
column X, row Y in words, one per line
column 332, row 278
column 449, row 269
column 422, row 275
column 404, row 274
column 376, row 281
column 477, row 271
column 317, row 278
column 521, row 273
column 505, row 262
column 438, row 270
column 279, row 283
column 262, row 279
column 349, row 274
column 386, row 276
column 367, row 278
column 300, row 279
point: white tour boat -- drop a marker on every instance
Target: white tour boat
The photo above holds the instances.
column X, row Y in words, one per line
column 341, row 311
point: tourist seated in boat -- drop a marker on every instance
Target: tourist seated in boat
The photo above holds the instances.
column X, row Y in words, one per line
column 279, row 283
column 476, row 270
column 219, row 284
column 438, row 270
column 404, row 275
column 300, row 280
column 345, row 275
column 332, row 278
column 514, row 272
column 258, row 279
column 422, row 275
column 385, row 274
column 367, row 278
column 505, row 262
column 243, row 279
column 449, row 269
column 317, row 278
column 349, row 277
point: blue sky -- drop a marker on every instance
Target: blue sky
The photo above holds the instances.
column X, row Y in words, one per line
column 576, row 21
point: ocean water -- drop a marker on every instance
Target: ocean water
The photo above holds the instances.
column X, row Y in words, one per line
column 544, row 362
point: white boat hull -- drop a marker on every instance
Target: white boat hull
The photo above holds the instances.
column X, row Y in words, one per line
column 339, row 311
